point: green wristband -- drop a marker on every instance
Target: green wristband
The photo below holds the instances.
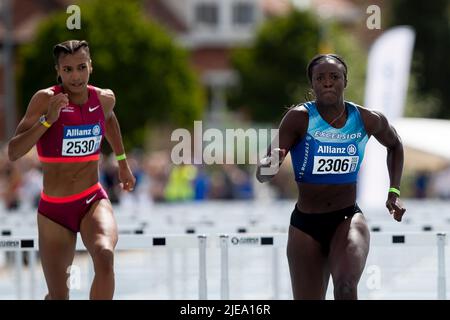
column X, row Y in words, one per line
column 122, row 156
column 395, row 190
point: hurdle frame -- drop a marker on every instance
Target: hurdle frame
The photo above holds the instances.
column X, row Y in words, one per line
column 223, row 242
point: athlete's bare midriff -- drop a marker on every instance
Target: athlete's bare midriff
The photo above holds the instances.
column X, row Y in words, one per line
column 321, row 198
column 65, row 179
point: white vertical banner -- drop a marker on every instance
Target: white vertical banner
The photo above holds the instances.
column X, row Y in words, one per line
column 386, row 87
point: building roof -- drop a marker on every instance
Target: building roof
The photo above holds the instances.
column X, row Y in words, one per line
column 163, row 15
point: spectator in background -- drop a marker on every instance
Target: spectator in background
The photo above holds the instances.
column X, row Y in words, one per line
column 31, row 187
column 157, row 169
column 180, row 186
column 220, row 186
column 110, row 178
column 238, row 181
column 201, row 184
column 10, row 182
column 441, row 184
column 421, row 184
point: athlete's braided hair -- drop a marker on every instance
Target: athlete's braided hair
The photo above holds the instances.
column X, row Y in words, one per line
column 68, row 47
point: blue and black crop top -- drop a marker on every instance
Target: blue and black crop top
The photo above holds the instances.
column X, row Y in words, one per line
column 329, row 155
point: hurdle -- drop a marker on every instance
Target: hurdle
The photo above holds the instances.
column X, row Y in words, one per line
column 224, row 243
column 125, row 242
column 277, row 241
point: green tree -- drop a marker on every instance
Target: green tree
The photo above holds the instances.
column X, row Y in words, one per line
column 131, row 55
column 272, row 71
column 349, row 47
column 431, row 66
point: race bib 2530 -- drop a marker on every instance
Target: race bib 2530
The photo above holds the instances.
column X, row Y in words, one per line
column 81, row 140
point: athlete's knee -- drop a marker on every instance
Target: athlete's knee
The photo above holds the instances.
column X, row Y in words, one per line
column 354, row 249
column 363, row 230
column 103, row 258
column 346, row 289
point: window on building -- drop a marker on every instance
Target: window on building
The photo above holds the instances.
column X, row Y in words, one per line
column 207, row 13
column 243, row 13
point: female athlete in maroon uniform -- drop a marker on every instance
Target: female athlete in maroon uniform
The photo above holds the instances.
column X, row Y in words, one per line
column 67, row 123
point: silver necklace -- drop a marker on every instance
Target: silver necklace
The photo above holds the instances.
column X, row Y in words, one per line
column 335, row 119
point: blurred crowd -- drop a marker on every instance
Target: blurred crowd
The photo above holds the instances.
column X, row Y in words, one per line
column 157, row 180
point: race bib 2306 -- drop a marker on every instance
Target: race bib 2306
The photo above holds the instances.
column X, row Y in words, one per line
column 335, row 164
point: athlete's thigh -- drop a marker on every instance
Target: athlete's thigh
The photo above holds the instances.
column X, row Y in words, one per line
column 98, row 228
column 308, row 266
column 349, row 249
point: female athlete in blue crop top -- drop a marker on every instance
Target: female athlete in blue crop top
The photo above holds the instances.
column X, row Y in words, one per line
column 326, row 138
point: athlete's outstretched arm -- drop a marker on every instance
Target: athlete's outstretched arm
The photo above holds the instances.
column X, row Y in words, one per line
column 30, row 129
column 378, row 126
column 114, row 137
column 291, row 129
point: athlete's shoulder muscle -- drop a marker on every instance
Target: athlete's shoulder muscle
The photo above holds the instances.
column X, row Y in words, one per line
column 374, row 120
column 107, row 99
column 39, row 101
column 37, row 106
column 295, row 119
column 293, row 126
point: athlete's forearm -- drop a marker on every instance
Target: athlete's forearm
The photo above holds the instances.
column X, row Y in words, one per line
column 113, row 135
column 395, row 164
column 21, row 143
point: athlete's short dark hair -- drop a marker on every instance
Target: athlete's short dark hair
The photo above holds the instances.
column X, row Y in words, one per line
column 321, row 58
